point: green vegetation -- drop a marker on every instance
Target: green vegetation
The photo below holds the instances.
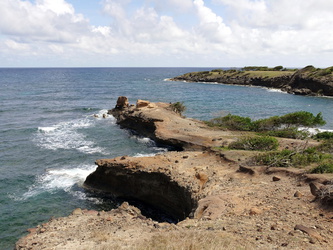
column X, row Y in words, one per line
column 323, row 135
column 279, row 126
column 292, row 133
column 263, row 68
column 178, row 107
column 326, row 146
column 323, row 168
column 260, row 143
column 231, row 122
column 291, row 158
column 317, row 72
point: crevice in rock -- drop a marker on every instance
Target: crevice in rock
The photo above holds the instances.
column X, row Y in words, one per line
column 152, row 188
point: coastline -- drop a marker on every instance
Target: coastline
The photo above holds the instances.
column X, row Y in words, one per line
column 223, row 191
column 307, row 81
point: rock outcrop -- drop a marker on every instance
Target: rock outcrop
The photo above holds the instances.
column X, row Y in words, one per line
column 158, row 122
column 173, row 182
column 306, row 81
column 218, row 201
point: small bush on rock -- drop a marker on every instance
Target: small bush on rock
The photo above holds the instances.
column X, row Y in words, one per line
column 178, row 107
column 260, row 143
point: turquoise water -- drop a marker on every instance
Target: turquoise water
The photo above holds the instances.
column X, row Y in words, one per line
column 50, row 138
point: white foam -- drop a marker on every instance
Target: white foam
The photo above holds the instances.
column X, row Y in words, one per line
column 59, row 179
column 275, row 90
column 314, row 131
column 144, row 155
column 65, row 135
column 103, row 114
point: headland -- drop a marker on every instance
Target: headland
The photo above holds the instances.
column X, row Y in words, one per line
column 218, row 199
column 306, row 81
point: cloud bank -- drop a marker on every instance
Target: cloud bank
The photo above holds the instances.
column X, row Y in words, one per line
column 168, row 33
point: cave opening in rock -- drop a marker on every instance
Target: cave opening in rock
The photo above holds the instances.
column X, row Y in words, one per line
column 159, row 197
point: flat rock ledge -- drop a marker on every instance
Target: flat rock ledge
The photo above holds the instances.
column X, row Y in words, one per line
column 159, row 122
column 219, row 202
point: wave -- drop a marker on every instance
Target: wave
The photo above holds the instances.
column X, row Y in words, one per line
column 314, row 131
column 275, row 90
column 60, row 179
column 150, row 143
column 66, row 135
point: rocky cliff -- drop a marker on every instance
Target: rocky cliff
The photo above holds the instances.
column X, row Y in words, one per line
column 217, row 201
column 306, row 81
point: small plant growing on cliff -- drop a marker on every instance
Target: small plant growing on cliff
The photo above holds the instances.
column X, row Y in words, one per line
column 260, row 143
column 178, row 107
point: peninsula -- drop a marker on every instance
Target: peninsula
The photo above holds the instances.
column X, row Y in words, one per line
column 307, row 81
column 219, row 198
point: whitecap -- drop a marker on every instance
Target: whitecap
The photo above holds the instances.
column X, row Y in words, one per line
column 144, row 155
column 275, row 90
column 314, row 131
column 103, row 114
column 59, row 179
column 66, row 135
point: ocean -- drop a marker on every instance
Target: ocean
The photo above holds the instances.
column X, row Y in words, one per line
column 50, row 137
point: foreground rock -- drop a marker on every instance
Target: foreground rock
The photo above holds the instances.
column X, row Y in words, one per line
column 306, row 81
column 218, row 201
column 226, row 209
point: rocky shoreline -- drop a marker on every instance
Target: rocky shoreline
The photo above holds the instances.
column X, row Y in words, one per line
column 307, row 81
column 216, row 198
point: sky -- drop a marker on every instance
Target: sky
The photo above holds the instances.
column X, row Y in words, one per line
column 168, row 33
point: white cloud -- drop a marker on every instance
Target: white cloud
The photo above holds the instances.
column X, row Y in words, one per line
column 199, row 32
column 47, row 20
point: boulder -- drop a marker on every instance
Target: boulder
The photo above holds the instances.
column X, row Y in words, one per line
column 122, row 102
column 142, row 103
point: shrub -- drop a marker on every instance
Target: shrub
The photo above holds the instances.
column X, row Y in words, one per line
column 326, row 146
column 217, row 70
column 292, row 133
column 323, row 135
column 178, row 107
column 232, row 122
column 261, row 143
column 323, row 168
column 283, row 126
column 266, row 124
column 278, row 68
column 302, row 118
column 291, row 158
column 275, row 159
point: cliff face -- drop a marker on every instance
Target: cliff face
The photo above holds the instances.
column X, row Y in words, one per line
column 170, row 182
column 306, row 81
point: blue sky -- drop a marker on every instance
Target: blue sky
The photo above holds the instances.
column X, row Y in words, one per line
column 169, row 33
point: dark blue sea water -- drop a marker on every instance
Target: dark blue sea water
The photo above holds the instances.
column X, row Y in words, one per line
column 49, row 138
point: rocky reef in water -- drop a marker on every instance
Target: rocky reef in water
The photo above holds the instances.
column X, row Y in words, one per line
column 306, row 81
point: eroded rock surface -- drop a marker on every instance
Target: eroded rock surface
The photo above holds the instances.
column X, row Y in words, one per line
column 220, row 202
